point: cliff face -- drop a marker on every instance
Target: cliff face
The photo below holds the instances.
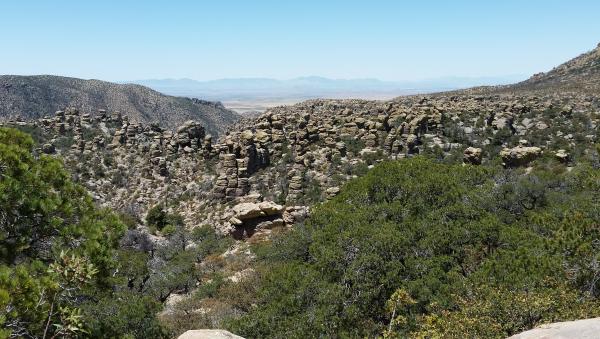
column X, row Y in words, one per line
column 37, row 96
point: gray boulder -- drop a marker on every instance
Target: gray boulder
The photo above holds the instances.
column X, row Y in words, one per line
column 580, row 329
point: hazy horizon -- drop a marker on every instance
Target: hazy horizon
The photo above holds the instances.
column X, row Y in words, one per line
column 501, row 76
column 258, row 94
column 516, row 77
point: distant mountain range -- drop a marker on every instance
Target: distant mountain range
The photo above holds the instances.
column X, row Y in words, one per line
column 265, row 89
column 40, row 95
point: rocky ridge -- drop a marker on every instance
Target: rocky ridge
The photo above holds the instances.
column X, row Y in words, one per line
column 292, row 157
column 578, row 75
column 263, row 173
column 31, row 97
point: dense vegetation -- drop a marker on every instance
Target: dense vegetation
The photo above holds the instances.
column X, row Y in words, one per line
column 55, row 245
column 69, row 268
column 424, row 249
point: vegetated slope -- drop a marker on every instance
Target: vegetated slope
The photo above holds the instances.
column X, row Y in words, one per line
column 471, row 251
column 37, row 96
column 578, row 75
column 420, row 249
column 581, row 73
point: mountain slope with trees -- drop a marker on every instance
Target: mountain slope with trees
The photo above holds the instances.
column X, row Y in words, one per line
column 417, row 248
column 36, row 96
column 451, row 215
column 580, row 75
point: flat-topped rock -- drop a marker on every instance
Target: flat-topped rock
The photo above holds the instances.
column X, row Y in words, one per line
column 209, row 334
column 249, row 210
column 520, row 155
column 578, row 329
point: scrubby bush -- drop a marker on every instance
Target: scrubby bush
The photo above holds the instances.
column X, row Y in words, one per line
column 491, row 251
column 56, row 247
column 157, row 217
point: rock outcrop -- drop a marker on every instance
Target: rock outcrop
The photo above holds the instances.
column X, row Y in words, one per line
column 578, row 329
column 562, row 156
column 472, row 155
column 250, row 217
column 30, row 97
column 209, row 334
column 519, row 156
column 298, row 155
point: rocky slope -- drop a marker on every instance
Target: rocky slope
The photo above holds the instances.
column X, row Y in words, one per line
column 295, row 156
column 578, row 75
column 263, row 173
column 36, row 96
column 298, row 155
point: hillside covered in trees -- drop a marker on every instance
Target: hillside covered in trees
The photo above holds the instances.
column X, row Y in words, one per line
column 419, row 248
column 36, row 96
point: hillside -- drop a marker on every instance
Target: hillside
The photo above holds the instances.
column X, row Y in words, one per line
column 37, row 96
column 427, row 211
column 579, row 75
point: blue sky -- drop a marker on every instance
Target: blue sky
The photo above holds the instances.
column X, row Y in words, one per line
column 389, row 40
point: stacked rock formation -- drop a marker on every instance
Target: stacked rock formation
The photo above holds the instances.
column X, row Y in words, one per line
column 520, row 155
column 298, row 155
column 241, row 155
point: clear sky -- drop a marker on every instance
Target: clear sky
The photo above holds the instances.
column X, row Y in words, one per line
column 390, row 40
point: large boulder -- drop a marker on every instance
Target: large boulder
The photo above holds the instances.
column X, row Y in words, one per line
column 580, row 329
column 270, row 208
column 562, row 156
column 248, row 210
column 472, row 155
column 519, row 156
column 209, row 334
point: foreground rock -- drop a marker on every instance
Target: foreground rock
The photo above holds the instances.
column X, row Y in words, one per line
column 209, row 334
column 579, row 329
